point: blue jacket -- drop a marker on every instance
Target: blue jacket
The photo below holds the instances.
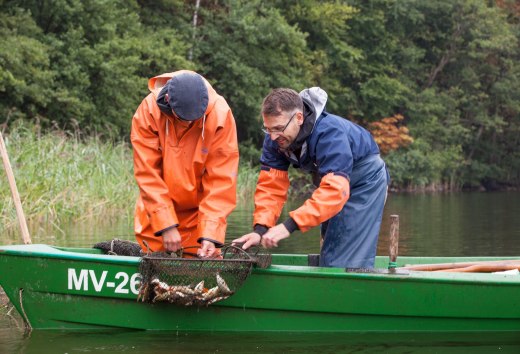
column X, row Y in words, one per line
column 327, row 146
column 335, row 145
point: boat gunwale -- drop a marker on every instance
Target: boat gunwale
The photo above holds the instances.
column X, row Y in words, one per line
column 52, row 252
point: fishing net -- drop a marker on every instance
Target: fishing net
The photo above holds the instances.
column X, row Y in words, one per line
column 196, row 281
column 119, row 247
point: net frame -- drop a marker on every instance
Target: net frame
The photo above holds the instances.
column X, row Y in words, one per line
column 195, row 281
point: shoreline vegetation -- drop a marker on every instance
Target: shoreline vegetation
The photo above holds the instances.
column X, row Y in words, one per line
column 64, row 175
column 437, row 84
column 68, row 176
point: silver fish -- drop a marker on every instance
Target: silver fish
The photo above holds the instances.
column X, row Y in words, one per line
column 213, row 292
column 161, row 297
column 160, row 287
column 199, row 288
column 218, row 298
column 221, row 283
column 184, row 289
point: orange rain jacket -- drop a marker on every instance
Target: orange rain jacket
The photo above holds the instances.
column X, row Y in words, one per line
column 271, row 194
column 186, row 174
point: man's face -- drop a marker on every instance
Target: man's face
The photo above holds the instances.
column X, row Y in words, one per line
column 283, row 128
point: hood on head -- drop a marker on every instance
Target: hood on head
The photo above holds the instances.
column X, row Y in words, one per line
column 314, row 100
column 188, row 96
column 316, row 96
column 202, row 102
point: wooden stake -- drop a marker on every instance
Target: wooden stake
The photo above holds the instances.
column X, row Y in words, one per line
column 394, row 241
column 14, row 191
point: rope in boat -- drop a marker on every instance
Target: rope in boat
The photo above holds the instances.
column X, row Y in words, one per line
column 112, row 247
column 25, row 318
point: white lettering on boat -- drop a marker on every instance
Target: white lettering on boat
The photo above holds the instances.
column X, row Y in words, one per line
column 121, row 287
column 79, row 279
column 135, row 282
column 98, row 285
column 73, row 278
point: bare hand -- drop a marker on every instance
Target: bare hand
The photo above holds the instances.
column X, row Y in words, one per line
column 249, row 240
column 208, row 250
column 171, row 240
column 274, row 235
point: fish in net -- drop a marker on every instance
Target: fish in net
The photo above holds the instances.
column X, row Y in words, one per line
column 196, row 281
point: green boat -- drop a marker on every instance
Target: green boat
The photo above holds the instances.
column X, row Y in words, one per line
column 82, row 288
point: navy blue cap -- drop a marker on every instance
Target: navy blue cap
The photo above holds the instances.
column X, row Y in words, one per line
column 188, row 96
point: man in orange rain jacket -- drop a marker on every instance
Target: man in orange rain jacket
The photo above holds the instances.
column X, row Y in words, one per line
column 344, row 160
column 185, row 163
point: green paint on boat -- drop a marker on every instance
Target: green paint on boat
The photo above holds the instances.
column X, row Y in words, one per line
column 80, row 288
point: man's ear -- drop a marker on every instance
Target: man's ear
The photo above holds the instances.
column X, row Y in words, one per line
column 299, row 118
column 166, row 97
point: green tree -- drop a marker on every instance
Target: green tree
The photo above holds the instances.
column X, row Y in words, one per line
column 26, row 77
column 246, row 48
column 96, row 56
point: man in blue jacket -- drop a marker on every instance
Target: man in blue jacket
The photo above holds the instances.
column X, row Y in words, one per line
column 350, row 176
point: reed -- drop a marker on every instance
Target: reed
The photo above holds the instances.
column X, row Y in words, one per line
column 63, row 176
column 247, row 178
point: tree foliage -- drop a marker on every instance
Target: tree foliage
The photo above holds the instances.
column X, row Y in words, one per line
column 389, row 134
column 449, row 68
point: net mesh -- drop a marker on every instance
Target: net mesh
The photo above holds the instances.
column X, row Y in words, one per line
column 196, row 281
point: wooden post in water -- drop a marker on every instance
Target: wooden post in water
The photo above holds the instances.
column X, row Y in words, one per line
column 394, row 241
column 14, row 191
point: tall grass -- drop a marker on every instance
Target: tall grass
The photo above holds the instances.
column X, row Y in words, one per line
column 247, row 178
column 67, row 177
column 64, row 176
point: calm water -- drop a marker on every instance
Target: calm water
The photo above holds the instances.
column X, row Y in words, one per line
column 459, row 224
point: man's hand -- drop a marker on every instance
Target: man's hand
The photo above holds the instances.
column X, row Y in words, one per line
column 274, row 235
column 207, row 250
column 249, row 240
column 171, row 240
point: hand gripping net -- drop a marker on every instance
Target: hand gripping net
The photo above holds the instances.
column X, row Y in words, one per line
column 196, row 281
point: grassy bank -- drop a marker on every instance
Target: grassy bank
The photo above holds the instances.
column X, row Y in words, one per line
column 64, row 176
column 61, row 175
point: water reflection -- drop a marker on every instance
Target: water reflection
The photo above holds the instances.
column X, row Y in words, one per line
column 456, row 224
column 465, row 224
column 451, row 224
column 43, row 342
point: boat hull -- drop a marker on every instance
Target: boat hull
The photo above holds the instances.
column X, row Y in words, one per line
column 56, row 288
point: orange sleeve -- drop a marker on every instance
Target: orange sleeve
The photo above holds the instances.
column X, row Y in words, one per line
column 148, row 165
column 219, row 182
column 270, row 196
column 326, row 201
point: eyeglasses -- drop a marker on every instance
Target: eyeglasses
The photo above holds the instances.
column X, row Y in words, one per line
column 277, row 129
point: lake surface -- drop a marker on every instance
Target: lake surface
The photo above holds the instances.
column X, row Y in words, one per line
column 454, row 224
column 451, row 224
